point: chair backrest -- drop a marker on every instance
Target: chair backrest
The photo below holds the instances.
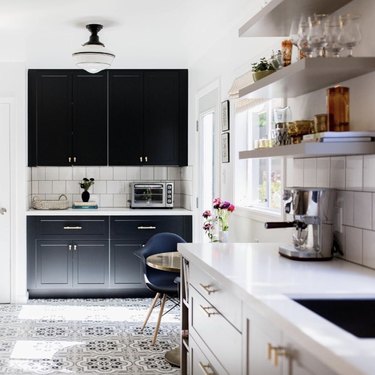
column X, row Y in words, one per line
column 159, row 243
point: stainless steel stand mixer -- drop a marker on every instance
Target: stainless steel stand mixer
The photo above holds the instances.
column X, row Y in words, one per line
column 312, row 210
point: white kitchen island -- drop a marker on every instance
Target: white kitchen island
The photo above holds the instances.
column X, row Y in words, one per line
column 241, row 318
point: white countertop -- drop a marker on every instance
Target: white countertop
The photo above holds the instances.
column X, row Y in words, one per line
column 111, row 212
column 266, row 281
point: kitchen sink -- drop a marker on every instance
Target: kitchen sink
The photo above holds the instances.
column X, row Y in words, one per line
column 356, row 316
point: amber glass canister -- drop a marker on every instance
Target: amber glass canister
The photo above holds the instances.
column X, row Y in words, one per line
column 338, row 108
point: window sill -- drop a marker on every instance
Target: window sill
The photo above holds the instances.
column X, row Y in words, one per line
column 257, row 214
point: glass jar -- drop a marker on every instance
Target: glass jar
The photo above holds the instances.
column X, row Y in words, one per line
column 338, row 108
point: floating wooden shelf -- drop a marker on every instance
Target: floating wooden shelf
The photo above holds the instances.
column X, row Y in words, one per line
column 311, row 149
column 276, row 18
column 308, row 75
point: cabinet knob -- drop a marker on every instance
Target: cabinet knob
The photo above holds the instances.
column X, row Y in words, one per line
column 69, row 159
column 70, row 247
column 206, row 369
column 141, row 159
column 146, row 159
column 208, row 288
column 74, row 160
column 75, row 247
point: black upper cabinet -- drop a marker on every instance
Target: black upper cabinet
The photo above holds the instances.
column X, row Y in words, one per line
column 125, row 117
column 148, row 117
column 67, row 118
column 144, row 113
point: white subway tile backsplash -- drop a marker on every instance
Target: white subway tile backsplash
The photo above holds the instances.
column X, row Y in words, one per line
column 38, row 174
column 369, row 248
column 65, row 173
column 187, row 173
column 147, row 173
column 72, row 187
column 120, row 200
column 119, row 173
column 79, row 173
column 354, row 173
column 323, row 172
column 337, row 173
column 363, row 210
column 45, row 187
column 309, row 172
column 106, row 173
column 93, row 172
column 187, row 187
column 160, row 173
column 353, row 245
column 52, row 173
column 100, row 187
column 369, row 172
column 297, row 172
column 177, row 187
column 174, row 173
column 34, row 187
column 348, row 207
column 58, row 187
column 106, row 200
column 133, row 173
column 115, row 187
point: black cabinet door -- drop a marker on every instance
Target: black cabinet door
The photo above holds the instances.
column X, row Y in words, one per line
column 125, row 117
column 161, row 117
column 90, row 264
column 89, row 118
column 53, row 264
column 50, row 117
column 126, row 268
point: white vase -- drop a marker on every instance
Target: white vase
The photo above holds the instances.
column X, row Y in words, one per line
column 223, row 236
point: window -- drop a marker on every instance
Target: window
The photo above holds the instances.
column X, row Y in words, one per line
column 258, row 182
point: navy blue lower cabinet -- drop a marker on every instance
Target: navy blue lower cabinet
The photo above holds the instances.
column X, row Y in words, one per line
column 92, row 256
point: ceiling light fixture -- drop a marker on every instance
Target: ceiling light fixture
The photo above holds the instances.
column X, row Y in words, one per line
column 93, row 56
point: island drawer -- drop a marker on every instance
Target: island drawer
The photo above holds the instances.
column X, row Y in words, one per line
column 216, row 332
column 216, row 294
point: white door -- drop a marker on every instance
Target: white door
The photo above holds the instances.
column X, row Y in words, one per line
column 5, row 118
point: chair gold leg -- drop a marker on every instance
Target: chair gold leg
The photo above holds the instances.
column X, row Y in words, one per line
column 150, row 310
column 164, row 298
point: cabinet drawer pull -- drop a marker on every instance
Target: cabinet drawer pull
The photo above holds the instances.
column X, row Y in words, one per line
column 208, row 288
column 75, row 247
column 74, row 159
column 146, row 159
column 69, row 159
column 141, row 159
column 141, row 227
column 207, row 369
column 276, row 352
column 209, row 313
column 70, row 247
column 73, row 228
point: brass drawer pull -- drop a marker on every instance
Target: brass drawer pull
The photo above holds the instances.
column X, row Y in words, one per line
column 209, row 313
column 276, row 352
column 208, row 288
column 206, row 369
column 141, row 227
column 73, row 228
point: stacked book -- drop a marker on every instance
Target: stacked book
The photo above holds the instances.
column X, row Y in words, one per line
column 85, row 205
column 349, row 136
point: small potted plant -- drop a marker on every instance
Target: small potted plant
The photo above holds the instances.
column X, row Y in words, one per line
column 261, row 69
column 85, row 185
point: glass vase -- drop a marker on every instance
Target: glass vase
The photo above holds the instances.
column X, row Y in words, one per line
column 223, row 236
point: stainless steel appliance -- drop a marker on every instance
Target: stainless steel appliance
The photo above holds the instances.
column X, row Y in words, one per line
column 151, row 194
column 312, row 210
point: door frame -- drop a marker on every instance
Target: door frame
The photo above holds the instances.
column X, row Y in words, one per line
column 215, row 85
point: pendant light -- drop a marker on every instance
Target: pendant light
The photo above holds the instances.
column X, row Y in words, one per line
column 93, row 56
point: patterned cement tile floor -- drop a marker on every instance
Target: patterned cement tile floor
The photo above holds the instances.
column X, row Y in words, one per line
column 85, row 336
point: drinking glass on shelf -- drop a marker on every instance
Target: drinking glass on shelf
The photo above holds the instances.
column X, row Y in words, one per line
column 333, row 29
column 350, row 34
column 317, row 33
column 303, row 43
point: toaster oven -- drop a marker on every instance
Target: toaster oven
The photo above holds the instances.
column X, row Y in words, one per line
column 151, row 194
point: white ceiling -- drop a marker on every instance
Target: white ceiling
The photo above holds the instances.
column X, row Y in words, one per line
column 142, row 33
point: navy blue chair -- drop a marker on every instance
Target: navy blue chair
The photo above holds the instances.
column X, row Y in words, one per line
column 163, row 283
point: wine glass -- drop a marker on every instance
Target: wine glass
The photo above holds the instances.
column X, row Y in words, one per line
column 350, row 34
column 333, row 27
column 303, row 42
column 317, row 33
